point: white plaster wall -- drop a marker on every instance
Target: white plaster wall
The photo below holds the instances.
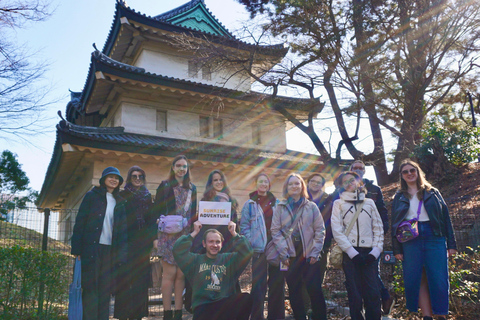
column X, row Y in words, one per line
column 171, row 65
column 183, row 125
column 138, row 119
column 186, row 125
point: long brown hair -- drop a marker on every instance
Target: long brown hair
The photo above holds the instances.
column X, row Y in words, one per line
column 422, row 183
column 210, row 192
column 186, row 178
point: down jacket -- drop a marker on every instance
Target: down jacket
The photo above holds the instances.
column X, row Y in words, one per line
column 312, row 229
column 367, row 232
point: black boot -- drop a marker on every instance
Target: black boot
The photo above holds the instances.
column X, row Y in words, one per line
column 177, row 315
column 427, row 318
column 168, row 315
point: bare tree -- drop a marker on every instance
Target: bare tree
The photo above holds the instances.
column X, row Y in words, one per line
column 22, row 97
column 394, row 61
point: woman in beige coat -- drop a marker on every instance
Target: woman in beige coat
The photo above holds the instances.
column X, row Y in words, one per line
column 362, row 246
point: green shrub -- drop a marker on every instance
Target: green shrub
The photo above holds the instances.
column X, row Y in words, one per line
column 465, row 283
column 459, row 144
column 21, row 270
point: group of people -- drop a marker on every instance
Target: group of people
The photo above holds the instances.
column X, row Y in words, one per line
column 114, row 232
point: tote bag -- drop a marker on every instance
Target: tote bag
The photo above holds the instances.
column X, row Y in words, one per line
column 75, row 310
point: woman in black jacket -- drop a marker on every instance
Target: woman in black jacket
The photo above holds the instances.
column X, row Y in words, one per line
column 424, row 258
column 99, row 240
column 133, row 280
column 175, row 196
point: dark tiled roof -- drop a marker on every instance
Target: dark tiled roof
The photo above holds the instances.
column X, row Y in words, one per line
column 101, row 62
column 123, row 11
column 117, row 139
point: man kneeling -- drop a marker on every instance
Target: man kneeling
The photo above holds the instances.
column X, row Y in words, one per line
column 214, row 275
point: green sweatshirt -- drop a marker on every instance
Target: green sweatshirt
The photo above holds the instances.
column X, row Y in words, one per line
column 212, row 279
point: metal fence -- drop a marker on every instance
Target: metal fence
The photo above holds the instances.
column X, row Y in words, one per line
column 51, row 230
column 29, row 226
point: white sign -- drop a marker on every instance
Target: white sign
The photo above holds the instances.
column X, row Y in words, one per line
column 214, row 213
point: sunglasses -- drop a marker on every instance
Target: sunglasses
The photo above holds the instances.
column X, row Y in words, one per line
column 411, row 171
column 140, row 176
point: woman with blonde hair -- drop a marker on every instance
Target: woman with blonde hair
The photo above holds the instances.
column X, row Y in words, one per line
column 424, row 257
column 298, row 233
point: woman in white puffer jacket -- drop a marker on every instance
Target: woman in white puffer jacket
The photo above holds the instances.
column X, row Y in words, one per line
column 361, row 247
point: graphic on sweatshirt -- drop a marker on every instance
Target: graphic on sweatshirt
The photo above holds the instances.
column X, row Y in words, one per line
column 215, row 275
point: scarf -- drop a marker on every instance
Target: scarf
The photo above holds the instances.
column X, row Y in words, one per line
column 140, row 200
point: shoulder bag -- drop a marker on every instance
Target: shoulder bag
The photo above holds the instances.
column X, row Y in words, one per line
column 408, row 230
column 271, row 253
column 336, row 255
column 175, row 223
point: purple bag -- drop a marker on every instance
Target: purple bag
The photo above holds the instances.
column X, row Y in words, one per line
column 408, row 230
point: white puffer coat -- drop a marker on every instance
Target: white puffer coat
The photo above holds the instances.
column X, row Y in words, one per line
column 367, row 232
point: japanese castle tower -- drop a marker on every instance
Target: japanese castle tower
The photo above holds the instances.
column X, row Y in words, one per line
column 144, row 102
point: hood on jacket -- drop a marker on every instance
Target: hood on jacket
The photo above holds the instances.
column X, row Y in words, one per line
column 271, row 198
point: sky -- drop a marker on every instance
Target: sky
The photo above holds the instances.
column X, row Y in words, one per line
column 65, row 41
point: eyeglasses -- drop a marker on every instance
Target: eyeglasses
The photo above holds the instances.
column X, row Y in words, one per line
column 358, row 168
column 139, row 177
column 411, row 171
column 318, row 183
column 348, row 182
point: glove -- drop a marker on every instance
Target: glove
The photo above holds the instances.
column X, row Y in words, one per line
column 358, row 260
column 370, row 258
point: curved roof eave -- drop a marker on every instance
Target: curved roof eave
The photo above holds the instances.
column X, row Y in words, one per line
column 278, row 50
column 100, row 62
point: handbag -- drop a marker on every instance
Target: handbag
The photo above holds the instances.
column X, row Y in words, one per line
column 408, row 230
column 335, row 259
column 75, row 309
column 172, row 224
column 271, row 253
column 175, row 223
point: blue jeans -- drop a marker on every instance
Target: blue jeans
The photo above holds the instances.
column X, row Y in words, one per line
column 362, row 287
column 428, row 252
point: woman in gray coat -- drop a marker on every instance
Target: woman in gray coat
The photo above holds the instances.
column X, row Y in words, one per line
column 300, row 252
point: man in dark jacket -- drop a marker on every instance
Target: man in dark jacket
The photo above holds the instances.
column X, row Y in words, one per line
column 214, row 275
column 99, row 241
column 375, row 193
